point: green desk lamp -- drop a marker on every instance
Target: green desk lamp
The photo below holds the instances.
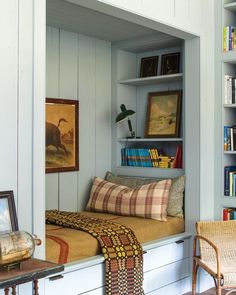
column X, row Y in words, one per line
column 125, row 114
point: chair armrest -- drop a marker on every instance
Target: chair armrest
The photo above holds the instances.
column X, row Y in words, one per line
column 214, row 247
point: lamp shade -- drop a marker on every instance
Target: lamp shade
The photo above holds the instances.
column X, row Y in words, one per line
column 124, row 114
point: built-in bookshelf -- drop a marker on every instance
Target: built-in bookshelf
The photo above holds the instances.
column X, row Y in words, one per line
column 133, row 91
column 225, row 203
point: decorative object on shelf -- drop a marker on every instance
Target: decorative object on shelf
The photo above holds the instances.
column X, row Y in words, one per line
column 170, row 63
column 8, row 215
column 126, row 114
column 149, row 66
column 16, row 247
column 61, row 135
column 163, row 114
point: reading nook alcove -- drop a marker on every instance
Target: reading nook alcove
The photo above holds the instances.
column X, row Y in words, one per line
column 95, row 57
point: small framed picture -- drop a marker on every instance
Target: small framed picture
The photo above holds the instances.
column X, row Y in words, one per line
column 149, row 66
column 8, row 217
column 61, row 140
column 170, row 63
column 163, row 114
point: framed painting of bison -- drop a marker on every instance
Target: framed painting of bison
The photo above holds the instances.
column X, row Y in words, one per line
column 61, row 135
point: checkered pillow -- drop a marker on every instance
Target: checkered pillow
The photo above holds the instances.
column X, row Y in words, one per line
column 148, row 201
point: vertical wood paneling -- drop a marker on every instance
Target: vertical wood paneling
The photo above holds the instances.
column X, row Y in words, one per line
column 25, row 115
column 8, row 94
column 52, row 90
column 68, row 76
column 103, row 107
column 87, row 122
column 182, row 9
column 79, row 67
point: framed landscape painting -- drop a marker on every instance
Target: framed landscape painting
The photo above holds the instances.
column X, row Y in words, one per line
column 61, row 140
column 163, row 114
column 8, row 217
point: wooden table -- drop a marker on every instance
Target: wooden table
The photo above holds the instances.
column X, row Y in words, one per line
column 30, row 270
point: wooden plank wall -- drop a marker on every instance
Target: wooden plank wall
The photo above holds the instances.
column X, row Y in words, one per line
column 79, row 67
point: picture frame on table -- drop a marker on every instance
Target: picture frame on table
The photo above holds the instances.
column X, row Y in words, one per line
column 62, row 135
column 8, row 216
column 149, row 66
column 163, row 114
column 170, row 63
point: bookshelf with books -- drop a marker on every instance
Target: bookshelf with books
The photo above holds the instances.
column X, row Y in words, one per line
column 132, row 91
column 225, row 177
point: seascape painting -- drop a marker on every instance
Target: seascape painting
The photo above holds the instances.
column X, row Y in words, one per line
column 163, row 114
column 61, row 135
column 5, row 219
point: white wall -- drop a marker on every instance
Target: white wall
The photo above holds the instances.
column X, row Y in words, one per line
column 79, row 67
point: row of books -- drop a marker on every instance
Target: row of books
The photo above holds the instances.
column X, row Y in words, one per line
column 230, row 85
column 230, row 138
column 143, row 157
column 229, row 214
column 229, row 39
column 230, row 181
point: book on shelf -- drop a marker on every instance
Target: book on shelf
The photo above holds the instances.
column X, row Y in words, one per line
column 229, row 89
column 229, row 214
column 230, row 181
column 146, row 158
column 230, row 138
column 229, row 39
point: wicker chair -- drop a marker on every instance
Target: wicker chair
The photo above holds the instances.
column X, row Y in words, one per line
column 217, row 249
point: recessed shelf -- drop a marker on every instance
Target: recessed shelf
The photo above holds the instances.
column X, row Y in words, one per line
column 149, row 171
column 230, row 6
column 152, row 80
column 148, row 139
column 229, row 105
column 229, row 57
column 230, row 152
column 227, row 201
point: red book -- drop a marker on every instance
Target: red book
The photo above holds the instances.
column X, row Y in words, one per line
column 225, row 214
column 179, row 157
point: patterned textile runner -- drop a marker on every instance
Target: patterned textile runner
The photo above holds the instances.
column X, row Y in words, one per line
column 122, row 252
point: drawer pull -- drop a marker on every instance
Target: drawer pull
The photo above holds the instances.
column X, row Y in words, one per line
column 179, row 242
column 58, row 277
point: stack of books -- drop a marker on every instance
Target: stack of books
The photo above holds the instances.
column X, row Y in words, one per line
column 230, row 85
column 148, row 158
column 229, row 39
column 230, row 138
column 230, row 181
column 229, row 214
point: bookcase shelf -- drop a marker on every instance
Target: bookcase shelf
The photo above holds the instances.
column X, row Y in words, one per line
column 176, row 139
column 230, row 6
column 230, row 152
column 229, row 57
column 152, row 80
column 229, row 105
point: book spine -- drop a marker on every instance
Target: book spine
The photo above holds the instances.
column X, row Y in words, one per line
column 225, row 214
column 226, row 186
column 224, row 38
column 231, row 139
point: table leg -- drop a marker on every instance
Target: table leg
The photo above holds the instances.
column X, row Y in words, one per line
column 36, row 287
column 13, row 290
column 6, row 291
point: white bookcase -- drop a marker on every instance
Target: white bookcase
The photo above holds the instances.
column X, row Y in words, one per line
column 132, row 91
column 225, row 113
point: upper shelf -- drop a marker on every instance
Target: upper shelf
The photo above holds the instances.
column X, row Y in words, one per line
column 229, row 57
column 153, row 80
column 231, row 6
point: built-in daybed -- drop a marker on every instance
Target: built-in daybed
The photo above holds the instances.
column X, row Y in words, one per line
column 166, row 254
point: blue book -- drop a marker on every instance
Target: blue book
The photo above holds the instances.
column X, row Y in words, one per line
column 234, row 215
column 234, row 184
column 227, row 170
column 226, row 138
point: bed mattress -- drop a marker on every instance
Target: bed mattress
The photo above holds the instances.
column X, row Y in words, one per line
column 66, row 245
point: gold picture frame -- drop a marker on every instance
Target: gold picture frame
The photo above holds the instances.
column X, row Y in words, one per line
column 61, row 138
column 163, row 114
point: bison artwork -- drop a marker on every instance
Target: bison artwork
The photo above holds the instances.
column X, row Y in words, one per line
column 53, row 135
column 61, row 135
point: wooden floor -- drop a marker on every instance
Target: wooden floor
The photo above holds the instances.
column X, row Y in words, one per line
column 210, row 292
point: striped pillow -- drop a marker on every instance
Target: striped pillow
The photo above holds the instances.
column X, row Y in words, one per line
column 148, row 201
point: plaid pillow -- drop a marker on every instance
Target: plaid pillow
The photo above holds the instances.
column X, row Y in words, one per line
column 148, row 201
